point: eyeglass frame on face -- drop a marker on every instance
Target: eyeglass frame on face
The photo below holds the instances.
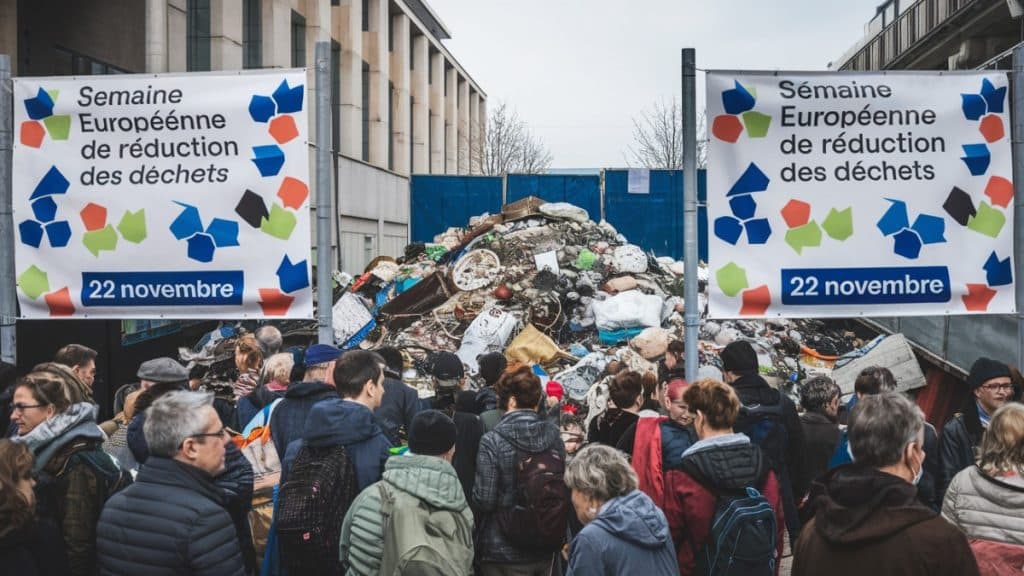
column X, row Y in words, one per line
column 22, row 407
column 218, row 434
column 997, row 387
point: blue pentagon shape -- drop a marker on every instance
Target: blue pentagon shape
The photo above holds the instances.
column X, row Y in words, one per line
column 758, row 231
column 59, row 233
column 224, row 232
column 998, row 272
column 201, row 248
column 973, row 106
column 738, row 100
column 39, row 107
column 268, row 159
column 45, row 209
column 728, row 229
column 993, row 96
column 977, row 158
column 895, row 218
column 906, row 243
column 288, row 99
column 931, row 229
column 31, row 233
column 187, row 223
column 53, row 182
column 752, row 180
column 291, row 276
column 743, row 206
column 261, row 108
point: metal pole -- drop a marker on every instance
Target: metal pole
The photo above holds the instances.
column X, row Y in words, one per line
column 324, row 301
column 8, row 296
column 691, row 314
column 1017, row 115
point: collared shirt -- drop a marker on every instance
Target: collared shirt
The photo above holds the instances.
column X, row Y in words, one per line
column 982, row 415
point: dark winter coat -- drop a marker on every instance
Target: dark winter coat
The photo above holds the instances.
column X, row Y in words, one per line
column 288, row 422
column 34, row 550
column 870, row 522
column 172, row 522
column 609, row 427
column 960, row 439
column 629, row 536
column 335, row 421
column 250, row 404
column 821, row 435
column 730, row 463
column 398, row 407
column 519, row 432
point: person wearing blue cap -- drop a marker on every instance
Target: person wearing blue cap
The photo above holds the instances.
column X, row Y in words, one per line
column 289, row 417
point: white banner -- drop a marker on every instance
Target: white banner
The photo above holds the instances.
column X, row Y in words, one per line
column 177, row 196
column 834, row 194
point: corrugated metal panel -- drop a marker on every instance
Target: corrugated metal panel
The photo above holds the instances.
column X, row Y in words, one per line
column 581, row 190
column 440, row 202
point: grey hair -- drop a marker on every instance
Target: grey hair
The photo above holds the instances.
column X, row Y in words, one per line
column 172, row 418
column 279, row 367
column 881, row 426
column 270, row 340
column 600, row 472
column 817, row 392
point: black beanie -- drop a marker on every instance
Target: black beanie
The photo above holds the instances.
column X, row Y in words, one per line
column 985, row 369
column 492, row 365
column 431, row 433
column 738, row 357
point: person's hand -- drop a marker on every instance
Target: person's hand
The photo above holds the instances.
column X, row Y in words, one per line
column 552, row 401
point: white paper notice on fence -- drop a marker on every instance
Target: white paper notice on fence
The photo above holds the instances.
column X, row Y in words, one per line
column 177, row 196
column 639, row 181
column 834, row 194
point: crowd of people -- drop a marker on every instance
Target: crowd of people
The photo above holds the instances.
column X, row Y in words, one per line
column 325, row 462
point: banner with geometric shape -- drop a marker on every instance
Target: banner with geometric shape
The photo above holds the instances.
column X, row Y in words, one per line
column 170, row 196
column 839, row 195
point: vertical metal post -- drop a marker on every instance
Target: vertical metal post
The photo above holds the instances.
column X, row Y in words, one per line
column 1017, row 115
column 324, row 211
column 691, row 315
column 8, row 296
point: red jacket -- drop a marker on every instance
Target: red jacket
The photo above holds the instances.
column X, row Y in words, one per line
column 690, row 507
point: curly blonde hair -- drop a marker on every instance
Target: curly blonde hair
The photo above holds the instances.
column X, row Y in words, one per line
column 1002, row 446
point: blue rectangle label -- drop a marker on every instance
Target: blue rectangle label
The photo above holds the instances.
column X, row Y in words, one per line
column 839, row 286
column 208, row 288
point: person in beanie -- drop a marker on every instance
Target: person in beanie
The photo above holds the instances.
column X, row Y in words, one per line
column 491, row 365
column 288, row 421
column 422, row 477
column 782, row 439
column 991, row 387
column 449, row 378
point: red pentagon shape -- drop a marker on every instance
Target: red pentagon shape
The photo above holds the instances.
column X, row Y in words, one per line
column 756, row 301
column 274, row 302
column 796, row 213
column 60, row 302
column 283, row 129
column 32, row 133
column 1000, row 190
column 977, row 298
column 94, row 216
column 992, row 128
column 727, row 127
column 293, row 192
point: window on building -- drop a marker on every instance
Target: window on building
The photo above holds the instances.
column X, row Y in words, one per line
column 198, row 36
column 71, row 63
column 252, row 34
column 335, row 95
column 366, row 15
column 366, row 112
column 368, row 248
column 298, row 40
column 391, row 124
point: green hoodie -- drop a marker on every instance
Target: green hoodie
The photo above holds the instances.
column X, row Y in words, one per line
column 428, row 478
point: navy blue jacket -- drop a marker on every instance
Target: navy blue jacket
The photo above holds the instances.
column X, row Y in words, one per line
column 250, row 404
column 398, row 407
column 289, row 418
column 629, row 536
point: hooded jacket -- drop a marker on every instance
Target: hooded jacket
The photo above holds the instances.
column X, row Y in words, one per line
column 986, row 508
column 398, row 407
column 335, row 421
column 33, row 550
column 518, row 432
column 608, row 428
column 288, row 422
column 730, row 463
column 960, row 438
column 629, row 536
column 171, row 522
column 427, row 478
column 870, row 522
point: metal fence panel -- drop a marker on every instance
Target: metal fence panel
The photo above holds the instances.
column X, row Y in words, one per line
column 439, row 202
column 654, row 221
column 581, row 190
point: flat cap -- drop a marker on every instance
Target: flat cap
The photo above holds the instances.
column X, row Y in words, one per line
column 162, row 370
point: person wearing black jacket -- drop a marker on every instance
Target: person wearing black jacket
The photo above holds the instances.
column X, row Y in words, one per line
column 173, row 519
column 760, row 405
column 288, row 422
column 400, row 404
column 449, row 377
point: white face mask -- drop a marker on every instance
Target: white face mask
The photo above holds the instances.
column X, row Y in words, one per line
column 917, row 477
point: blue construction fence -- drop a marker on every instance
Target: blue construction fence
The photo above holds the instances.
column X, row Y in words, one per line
column 653, row 221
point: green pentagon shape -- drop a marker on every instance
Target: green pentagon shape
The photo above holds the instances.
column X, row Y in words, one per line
column 133, row 226
column 58, row 127
column 839, row 223
column 756, row 123
column 34, row 282
column 731, row 279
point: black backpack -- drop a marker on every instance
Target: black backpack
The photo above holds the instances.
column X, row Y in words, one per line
column 743, row 535
column 311, row 506
column 765, row 425
column 537, row 521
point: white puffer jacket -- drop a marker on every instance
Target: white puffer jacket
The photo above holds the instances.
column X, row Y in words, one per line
column 986, row 508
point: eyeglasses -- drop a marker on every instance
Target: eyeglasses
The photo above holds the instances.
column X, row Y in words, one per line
column 218, row 434
column 997, row 387
column 23, row 407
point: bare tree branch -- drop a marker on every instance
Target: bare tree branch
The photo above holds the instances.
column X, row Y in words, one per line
column 509, row 146
column 658, row 137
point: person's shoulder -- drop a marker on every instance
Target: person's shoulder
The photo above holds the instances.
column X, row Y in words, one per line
column 937, row 533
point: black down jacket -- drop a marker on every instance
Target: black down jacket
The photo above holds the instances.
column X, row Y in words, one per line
column 170, row 522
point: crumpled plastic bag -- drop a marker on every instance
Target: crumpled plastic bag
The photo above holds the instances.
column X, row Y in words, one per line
column 651, row 343
column 488, row 332
column 565, row 211
column 532, row 346
column 620, row 284
column 627, row 310
column 629, row 259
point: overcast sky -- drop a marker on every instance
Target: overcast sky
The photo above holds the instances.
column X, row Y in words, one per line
column 578, row 70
